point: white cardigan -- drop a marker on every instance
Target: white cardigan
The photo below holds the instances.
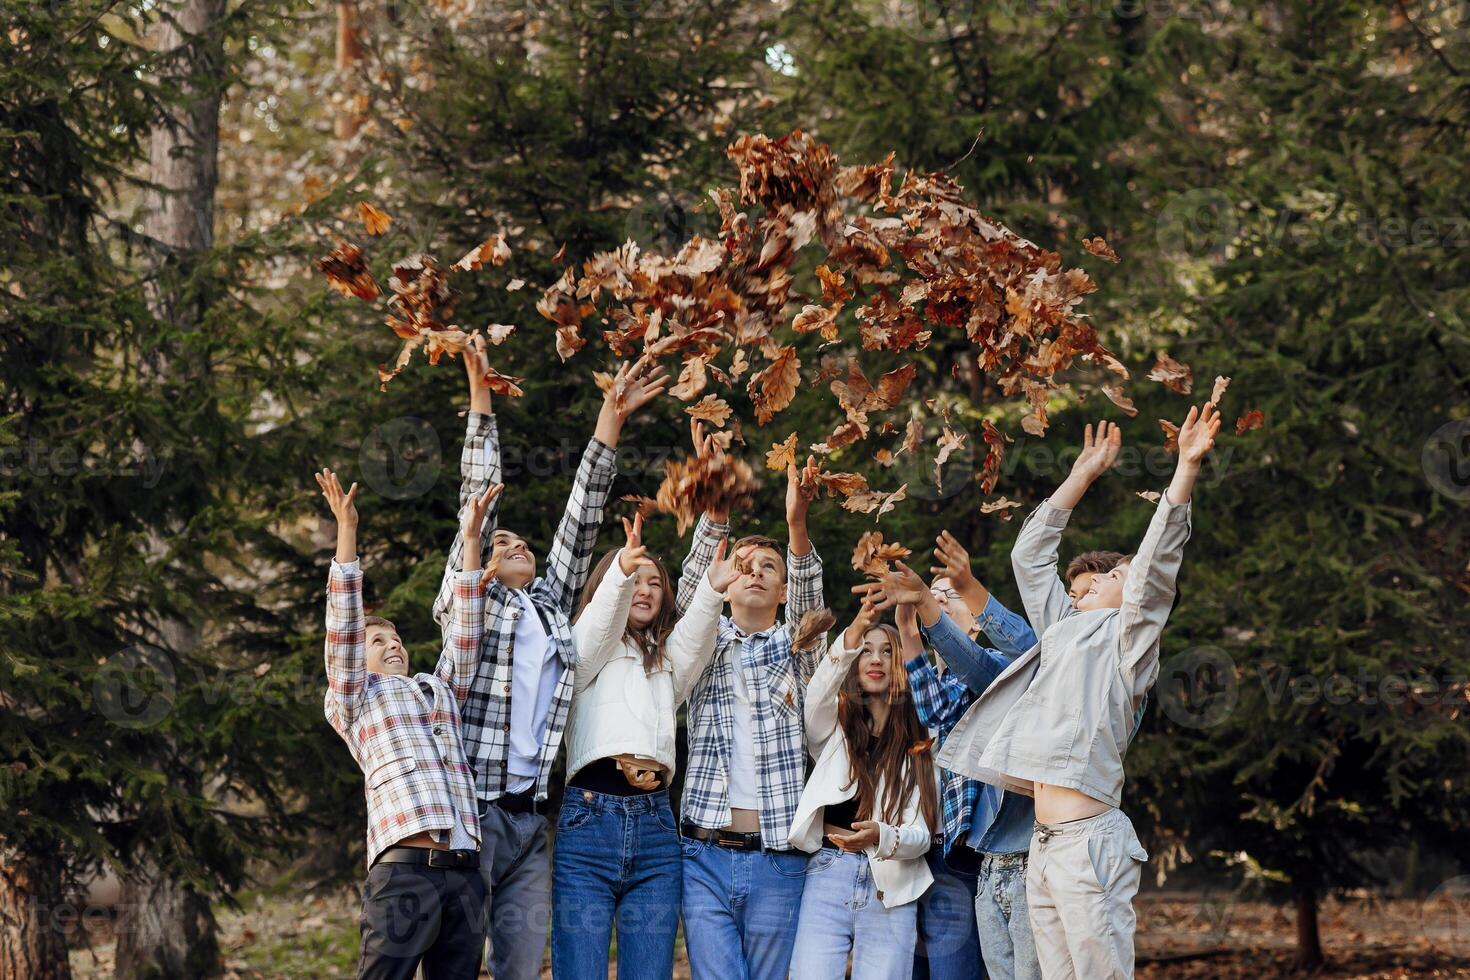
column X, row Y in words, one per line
column 618, row 708
column 900, row 873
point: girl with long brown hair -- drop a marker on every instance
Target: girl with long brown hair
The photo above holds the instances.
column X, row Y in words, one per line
column 869, row 809
column 617, row 856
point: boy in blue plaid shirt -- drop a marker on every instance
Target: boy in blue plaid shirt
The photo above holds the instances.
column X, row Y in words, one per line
column 747, row 750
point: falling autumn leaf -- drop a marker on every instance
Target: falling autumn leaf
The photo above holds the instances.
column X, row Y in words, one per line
column 773, row 388
column 492, row 251
column 872, row 555
column 502, row 384
column 867, row 501
column 347, row 272
column 1221, row 383
column 1152, row 496
column 996, row 441
column 692, row 379
column 782, row 454
column 514, row 285
column 376, row 222
column 1172, row 374
column 711, row 409
column 1100, row 248
column 497, row 333
column 1002, row 506
column 1117, row 397
column 1254, row 419
column 1171, row 435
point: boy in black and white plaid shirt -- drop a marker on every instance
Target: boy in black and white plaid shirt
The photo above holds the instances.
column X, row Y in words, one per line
column 517, row 705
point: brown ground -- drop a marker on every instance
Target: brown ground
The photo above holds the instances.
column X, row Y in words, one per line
column 300, row 938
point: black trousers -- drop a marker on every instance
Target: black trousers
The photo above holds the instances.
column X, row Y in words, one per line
column 414, row 914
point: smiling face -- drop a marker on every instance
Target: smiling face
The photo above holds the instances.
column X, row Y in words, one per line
column 763, row 586
column 648, row 595
column 515, row 564
column 942, row 589
column 875, row 663
column 385, row 653
column 1105, row 591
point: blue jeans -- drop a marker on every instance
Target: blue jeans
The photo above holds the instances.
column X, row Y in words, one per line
column 1005, row 923
column 616, row 859
column 841, row 913
column 740, row 911
column 949, row 948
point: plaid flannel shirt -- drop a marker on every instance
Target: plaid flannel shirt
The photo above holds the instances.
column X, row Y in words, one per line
column 403, row 731
column 554, row 595
column 941, row 701
column 776, row 677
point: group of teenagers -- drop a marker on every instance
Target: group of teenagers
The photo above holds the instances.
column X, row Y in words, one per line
column 934, row 792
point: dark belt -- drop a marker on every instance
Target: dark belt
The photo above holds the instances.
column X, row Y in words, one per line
column 430, row 857
column 524, row 802
column 724, row 838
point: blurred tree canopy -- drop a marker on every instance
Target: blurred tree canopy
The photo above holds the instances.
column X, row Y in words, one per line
column 1285, row 185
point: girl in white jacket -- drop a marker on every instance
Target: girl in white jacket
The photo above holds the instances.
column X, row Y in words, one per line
column 617, row 853
column 867, row 813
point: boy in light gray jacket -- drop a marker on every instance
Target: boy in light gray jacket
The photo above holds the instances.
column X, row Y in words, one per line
column 1056, row 722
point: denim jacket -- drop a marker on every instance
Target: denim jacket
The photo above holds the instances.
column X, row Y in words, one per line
column 1063, row 713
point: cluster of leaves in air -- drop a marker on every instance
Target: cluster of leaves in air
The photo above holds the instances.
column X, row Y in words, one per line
column 901, row 257
column 421, row 298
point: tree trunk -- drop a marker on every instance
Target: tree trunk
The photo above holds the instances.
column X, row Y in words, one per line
column 165, row 929
column 32, row 916
column 349, row 53
column 1308, row 939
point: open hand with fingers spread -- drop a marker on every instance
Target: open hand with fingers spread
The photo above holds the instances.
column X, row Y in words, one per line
column 634, row 386
column 1197, row 434
column 344, row 509
column 1099, row 451
column 725, row 572
column 478, row 509
column 869, row 612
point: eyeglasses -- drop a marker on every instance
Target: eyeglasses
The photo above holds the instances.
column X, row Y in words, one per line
column 944, row 593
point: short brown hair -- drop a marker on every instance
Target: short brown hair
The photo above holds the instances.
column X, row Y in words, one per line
column 378, row 621
column 760, row 541
column 1096, row 562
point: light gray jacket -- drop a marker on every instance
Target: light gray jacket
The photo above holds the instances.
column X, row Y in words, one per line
column 1061, row 713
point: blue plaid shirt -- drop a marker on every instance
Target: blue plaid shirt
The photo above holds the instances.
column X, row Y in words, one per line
column 942, row 699
column 776, row 677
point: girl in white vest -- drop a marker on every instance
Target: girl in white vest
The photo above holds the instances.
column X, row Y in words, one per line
column 617, row 856
column 868, row 810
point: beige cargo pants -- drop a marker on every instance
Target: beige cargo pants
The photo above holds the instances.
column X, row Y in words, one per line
column 1080, row 884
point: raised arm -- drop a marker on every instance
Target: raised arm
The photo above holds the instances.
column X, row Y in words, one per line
column 692, row 641
column 1153, row 573
column 570, row 557
column 1034, row 555
column 459, row 659
column 602, row 623
column 346, row 649
column 711, row 528
column 1009, row 631
column 820, row 712
column 479, row 469
column 938, row 705
column 804, row 590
